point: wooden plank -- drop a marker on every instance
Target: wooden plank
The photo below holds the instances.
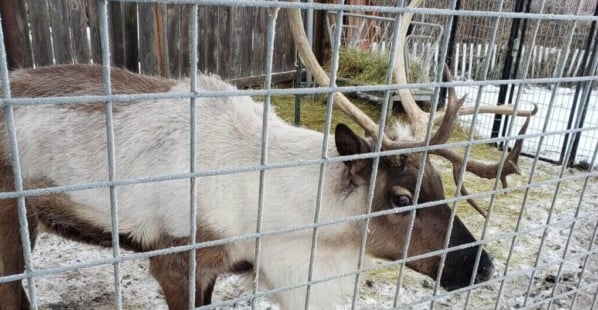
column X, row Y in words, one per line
column 203, row 40
column 161, row 33
column 178, row 38
column 130, row 37
column 235, row 22
column 58, row 14
column 153, row 54
column 91, row 9
column 258, row 55
column 123, row 35
column 224, row 50
column 118, row 52
column 210, row 46
column 40, row 32
column 319, row 44
column 243, row 54
column 78, row 23
column 284, row 55
column 16, row 34
column 279, row 44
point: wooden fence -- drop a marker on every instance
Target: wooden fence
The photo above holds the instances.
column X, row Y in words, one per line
column 146, row 37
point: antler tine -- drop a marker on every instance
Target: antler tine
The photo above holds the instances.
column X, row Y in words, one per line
column 511, row 162
column 449, row 121
column 448, row 77
column 503, row 109
column 484, row 170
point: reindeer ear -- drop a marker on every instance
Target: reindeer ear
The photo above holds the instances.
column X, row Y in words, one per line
column 348, row 143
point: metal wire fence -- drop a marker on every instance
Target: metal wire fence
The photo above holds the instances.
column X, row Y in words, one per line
column 542, row 230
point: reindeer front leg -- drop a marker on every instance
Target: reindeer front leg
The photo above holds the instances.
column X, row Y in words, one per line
column 172, row 272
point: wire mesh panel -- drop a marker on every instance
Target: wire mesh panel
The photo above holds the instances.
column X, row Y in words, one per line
column 235, row 208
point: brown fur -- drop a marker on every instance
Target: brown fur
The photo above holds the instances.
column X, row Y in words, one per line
column 53, row 211
column 387, row 228
column 82, row 80
column 79, row 80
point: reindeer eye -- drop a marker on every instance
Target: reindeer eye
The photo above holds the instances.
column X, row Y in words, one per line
column 400, row 200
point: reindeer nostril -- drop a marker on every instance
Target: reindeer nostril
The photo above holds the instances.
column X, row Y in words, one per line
column 484, row 273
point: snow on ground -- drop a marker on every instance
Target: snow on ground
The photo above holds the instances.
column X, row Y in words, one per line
column 553, row 116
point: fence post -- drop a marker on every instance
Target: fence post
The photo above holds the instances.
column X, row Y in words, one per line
column 586, row 69
column 508, row 71
column 450, row 53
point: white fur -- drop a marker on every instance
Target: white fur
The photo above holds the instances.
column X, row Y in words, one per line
column 68, row 146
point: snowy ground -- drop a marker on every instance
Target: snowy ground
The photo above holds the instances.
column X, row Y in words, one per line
column 552, row 118
column 565, row 266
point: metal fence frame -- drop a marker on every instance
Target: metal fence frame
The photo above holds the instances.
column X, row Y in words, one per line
column 31, row 273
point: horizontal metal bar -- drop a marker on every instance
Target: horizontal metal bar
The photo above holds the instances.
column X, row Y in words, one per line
column 142, row 255
column 374, row 8
column 276, row 92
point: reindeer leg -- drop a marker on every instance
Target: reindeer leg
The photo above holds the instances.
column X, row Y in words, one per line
column 171, row 271
column 207, row 292
column 12, row 294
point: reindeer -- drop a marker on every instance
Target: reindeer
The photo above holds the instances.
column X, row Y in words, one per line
column 66, row 144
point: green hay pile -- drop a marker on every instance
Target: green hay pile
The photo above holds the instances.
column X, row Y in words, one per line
column 362, row 67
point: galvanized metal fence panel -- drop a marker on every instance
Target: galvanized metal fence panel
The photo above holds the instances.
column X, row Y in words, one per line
column 521, row 269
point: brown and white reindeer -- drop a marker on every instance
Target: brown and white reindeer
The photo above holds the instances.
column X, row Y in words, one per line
column 65, row 144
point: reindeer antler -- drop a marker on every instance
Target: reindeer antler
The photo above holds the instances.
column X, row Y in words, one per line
column 481, row 169
column 310, row 62
column 418, row 118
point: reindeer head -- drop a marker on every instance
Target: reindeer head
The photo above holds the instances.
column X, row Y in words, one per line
column 395, row 189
